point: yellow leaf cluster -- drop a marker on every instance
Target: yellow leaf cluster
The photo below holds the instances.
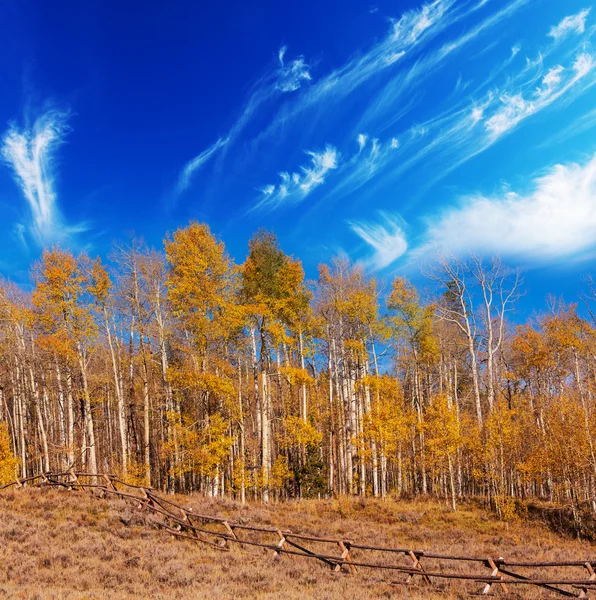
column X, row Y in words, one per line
column 296, row 432
column 9, row 463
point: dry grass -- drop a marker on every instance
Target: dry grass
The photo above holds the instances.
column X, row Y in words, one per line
column 62, row 545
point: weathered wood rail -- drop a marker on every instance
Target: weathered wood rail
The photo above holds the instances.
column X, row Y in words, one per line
column 338, row 554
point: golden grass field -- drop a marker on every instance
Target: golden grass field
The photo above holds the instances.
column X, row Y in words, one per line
column 61, row 545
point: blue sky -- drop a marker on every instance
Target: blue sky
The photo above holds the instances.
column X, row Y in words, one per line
column 388, row 131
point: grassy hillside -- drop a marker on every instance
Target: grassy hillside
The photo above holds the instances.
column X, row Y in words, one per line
column 62, row 545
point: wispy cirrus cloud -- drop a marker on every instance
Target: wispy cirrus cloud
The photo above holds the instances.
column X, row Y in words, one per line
column 411, row 31
column 408, row 35
column 359, row 168
column 195, row 164
column 555, row 219
column 386, row 239
column 555, row 84
column 287, row 77
column 376, row 144
column 464, row 129
column 30, row 153
column 473, row 125
column 381, row 111
column 296, row 186
column 414, row 29
column 571, row 24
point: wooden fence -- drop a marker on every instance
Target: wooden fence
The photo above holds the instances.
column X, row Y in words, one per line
column 559, row 578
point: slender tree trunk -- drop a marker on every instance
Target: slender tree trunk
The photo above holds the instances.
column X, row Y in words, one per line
column 119, row 397
column 71, row 419
column 90, row 430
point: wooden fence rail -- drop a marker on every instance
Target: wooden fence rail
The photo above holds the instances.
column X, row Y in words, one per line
column 338, row 554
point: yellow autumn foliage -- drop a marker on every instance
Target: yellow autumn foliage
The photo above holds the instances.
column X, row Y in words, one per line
column 9, row 463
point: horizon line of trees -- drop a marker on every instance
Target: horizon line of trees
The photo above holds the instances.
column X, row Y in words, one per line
column 182, row 370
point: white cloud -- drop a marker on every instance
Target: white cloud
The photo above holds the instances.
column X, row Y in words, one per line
column 30, row 152
column 288, row 77
column 410, row 27
column 371, row 157
column 557, row 82
column 489, row 22
column 295, row 187
column 383, row 107
column 314, row 175
column 387, row 239
column 291, row 76
column 477, row 114
column 465, row 127
column 583, row 64
column 394, row 57
column 550, row 81
column 281, row 54
column 557, row 219
column 408, row 36
column 514, row 109
column 195, row 164
column 573, row 23
column 409, row 33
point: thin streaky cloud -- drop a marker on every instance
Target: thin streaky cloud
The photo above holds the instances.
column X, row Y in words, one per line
column 364, row 164
column 380, row 111
column 515, row 108
column 30, row 153
column 362, row 137
column 580, row 125
column 408, row 34
column 471, row 127
column 286, row 78
column 483, row 26
column 195, row 164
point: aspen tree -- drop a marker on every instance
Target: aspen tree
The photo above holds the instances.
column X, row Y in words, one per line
column 273, row 294
column 202, row 287
column 457, row 307
column 61, row 299
column 100, row 289
column 412, row 323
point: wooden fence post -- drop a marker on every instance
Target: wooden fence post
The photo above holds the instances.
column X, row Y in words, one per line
column 584, row 591
column 345, row 555
column 72, row 478
column 282, row 545
column 415, row 556
column 109, row 483
column 495, row 573
column 145, row 501
column 231, row 531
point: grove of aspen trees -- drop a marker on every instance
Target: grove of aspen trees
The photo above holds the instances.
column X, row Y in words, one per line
column 187, row 372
